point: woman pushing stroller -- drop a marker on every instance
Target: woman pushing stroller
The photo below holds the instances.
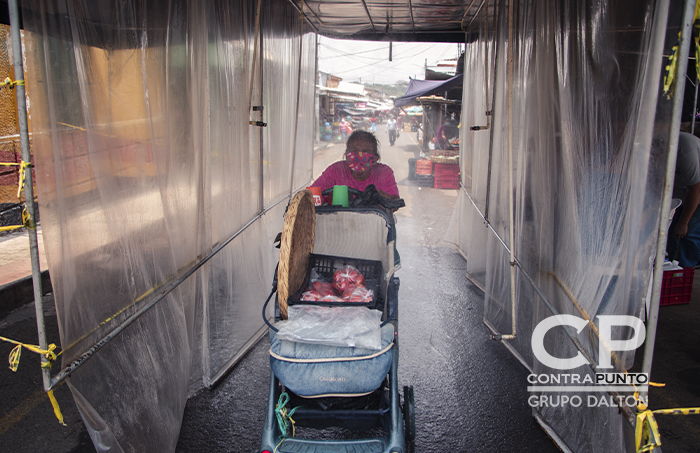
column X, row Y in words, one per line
column 361, row 168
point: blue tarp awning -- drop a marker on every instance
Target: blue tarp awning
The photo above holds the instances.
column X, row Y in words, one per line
column 417, row 88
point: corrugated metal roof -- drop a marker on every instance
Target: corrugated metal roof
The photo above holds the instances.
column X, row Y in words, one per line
column 392, row 20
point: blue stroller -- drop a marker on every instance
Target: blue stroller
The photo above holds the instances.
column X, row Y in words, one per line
column 322, row 386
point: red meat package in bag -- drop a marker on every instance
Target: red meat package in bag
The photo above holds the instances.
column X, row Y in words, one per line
column 310, row 296
column 358, row 294
column 347, row 278
column 323, row 288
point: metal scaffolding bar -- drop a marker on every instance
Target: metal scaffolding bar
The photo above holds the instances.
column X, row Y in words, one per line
column 653, row 318
column 29, row 184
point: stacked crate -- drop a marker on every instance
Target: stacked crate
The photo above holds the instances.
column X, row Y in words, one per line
column 424, row 172
column 446, row 176
column 677, row 286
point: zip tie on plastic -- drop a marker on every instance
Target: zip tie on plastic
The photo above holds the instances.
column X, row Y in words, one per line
column 10, row 84
column 284, row 418
column 17, row 351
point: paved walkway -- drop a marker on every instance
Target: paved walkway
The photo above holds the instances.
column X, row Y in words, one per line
column 15, row 260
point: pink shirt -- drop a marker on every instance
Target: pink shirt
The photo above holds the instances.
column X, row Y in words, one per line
column 382, row 176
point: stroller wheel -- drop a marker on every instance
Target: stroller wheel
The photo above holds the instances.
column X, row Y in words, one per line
column 409, row 413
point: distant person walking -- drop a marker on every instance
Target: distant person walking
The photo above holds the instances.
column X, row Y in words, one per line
column 345, row 129
column 391, row 130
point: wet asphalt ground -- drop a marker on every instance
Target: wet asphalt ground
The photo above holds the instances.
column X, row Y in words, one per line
column 470, row 393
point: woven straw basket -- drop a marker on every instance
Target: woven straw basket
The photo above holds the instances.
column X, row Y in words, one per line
column 296, row 246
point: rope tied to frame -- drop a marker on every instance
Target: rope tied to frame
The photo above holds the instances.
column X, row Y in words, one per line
column 8, row 82
column 284, row 417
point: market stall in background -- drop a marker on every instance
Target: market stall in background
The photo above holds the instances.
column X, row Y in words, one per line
column 347, row 106
column 432, row 108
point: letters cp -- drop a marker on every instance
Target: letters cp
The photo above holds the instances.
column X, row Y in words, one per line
column 606, row 344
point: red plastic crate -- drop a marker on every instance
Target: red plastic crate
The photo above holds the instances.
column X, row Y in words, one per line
column 446, row 182
column 424, row 167
column 677, row 286
column 446, row 169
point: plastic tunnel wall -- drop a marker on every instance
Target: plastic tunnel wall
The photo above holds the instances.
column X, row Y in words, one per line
column 146, row 164
column 578, row 88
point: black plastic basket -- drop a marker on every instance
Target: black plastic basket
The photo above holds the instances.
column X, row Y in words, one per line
column 326, row 265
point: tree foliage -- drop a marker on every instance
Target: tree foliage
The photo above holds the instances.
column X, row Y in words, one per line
column 397, row 89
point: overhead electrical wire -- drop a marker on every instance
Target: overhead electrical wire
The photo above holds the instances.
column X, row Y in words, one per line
column 378, row 63
column 387, row 72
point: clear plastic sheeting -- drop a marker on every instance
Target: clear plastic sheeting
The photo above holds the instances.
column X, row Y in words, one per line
column 147, row 164
column 352, row 327
column 581, row 110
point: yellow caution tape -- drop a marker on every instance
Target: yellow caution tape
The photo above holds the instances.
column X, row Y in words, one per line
column 671, row 70
column 72, row 126
column 17, row 351
column 10, row 84
column 27, row 222
column 50, row 357
column 22, row 172
column 680, row 411
column 27, row 219
column 696, row 34
column 56, row 409
column 672, row 67
column 647, row 430
column 11, row 227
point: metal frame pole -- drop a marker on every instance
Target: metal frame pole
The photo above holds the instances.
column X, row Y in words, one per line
column 28, row 187
column 653, row 317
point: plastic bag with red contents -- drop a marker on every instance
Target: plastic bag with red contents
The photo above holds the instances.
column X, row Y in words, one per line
column 323, row 288
column 347, row 278
column 358, row 294
column 318, row 289
column 310, row 296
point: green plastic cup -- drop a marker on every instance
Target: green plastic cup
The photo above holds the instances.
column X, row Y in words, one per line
column 340, row 196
